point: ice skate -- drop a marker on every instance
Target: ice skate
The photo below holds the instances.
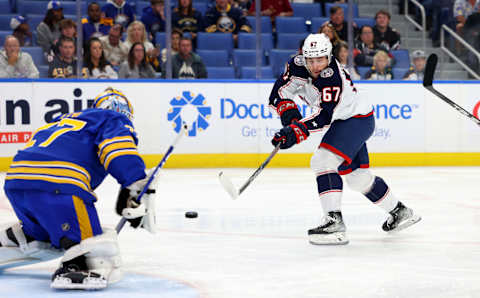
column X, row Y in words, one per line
column 401, row 217
column 330, row 232
column 71, row 278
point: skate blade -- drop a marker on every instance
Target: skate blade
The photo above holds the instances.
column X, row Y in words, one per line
column 411, row 221
column 88, row 284
column 18, row 262
column 329, row 239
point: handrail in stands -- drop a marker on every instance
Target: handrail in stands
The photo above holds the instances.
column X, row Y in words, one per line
column 423, row 26
column 452, row 55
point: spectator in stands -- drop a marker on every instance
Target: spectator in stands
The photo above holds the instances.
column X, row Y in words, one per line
column 380, row 69
column 471, row 32
column 97, row 67
column 21, row 30
column 14, row 63
column 176, row 35
column 322, row 2
column 328, row 30
column 64, row 65
column 366, row 48
column 48, row 30
column 118, row 12
column 94, row 25
column 153, row 17
column 337, row 20
column 462, row 9
column 384, row 35
column 136, row 33
column 136, row 67
column 273, row 9
column 441, row 15
column 68, row 28
column 341, row 53
column 416, row 71
column 186, row 19
column 225, row 18
column 186, row 64
column 114, row 49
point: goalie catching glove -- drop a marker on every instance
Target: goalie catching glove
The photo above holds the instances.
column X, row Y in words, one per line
column 138, row 214
column 290, row 135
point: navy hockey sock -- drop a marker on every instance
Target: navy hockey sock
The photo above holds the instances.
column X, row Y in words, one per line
column 329, row 182
column 378, row 191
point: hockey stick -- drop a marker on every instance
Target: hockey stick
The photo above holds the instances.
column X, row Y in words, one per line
column 427, row 83
column 230, row 188
column 122, row 221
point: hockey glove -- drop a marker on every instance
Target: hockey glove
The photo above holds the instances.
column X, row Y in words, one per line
column 287, row 110
column 290, row 135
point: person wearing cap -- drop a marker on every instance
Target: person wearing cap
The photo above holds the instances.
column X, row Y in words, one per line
column 153, row 17
column 14, row 63
column 21, row 30
column 94, row 25
column 416, row 71
column 384, row 34
column 48, row 31
column 118, row 12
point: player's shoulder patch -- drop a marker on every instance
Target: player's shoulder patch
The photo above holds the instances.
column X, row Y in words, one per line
column 298, row 60
column 326, row 73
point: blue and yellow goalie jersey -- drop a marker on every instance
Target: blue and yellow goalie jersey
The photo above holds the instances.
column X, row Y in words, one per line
column 75, row 152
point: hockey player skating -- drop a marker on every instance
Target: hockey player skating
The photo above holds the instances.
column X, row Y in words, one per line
column 321, row 82
column 51, row 183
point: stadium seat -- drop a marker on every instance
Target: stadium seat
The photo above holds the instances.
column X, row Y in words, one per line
column 215, row 41
column 362, row 70
column 402, row 58
column 160, row 38
column 33, row 20
column 250, row 72
column 37, row 55
column 249, row 41
column 317, row 23
column 140, row 5
column 278, row 58
column 345, row 9
column 214, row 57
column 290, row 25
column 40, row 7
column 398, row 73
column 246, row 58
column 43, row 69
column 364, row 22
column 5, row 21
column 200, row 6
column 5, row 6
column 265, row 22
column 221, row 72
column 70, row 7
column 307, row 10
column 290, row 40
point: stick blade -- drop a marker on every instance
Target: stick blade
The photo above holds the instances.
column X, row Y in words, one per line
column 430, row 70
column 228, row 185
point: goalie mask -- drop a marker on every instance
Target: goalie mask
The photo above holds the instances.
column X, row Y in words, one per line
column 115, row 100
column 317, row 45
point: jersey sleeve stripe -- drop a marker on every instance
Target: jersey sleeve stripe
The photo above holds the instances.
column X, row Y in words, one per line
column 53, row 165
column 114, row 154
column 113, row 140
column 114, row 146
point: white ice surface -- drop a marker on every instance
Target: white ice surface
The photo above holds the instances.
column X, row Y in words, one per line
column 257, row 246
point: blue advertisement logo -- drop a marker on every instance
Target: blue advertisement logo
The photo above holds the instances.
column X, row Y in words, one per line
column 190, row 109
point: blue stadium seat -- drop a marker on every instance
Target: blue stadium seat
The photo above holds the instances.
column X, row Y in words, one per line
column 290, row 25
column 215, row 41
column 362, row 70
column 249, row 41
column 307, row 10
column 402, row 58
column 364, row 22
column 317, row 23
column 265, row 22
column 200, row 6
column 33, row 20
column 290, row 40
column 345, row 9
column 250, row 72
column 246, row 58
column 3, row 35
column 37, row 55
column 278, row 58
column 160, row 38
column 70, row 7
column 43, row 69
column 221, row 72
column 398, row 73
column 140, row 5
column 5, row 21
column 214, row 57
column 5, row 6
column 40, row 7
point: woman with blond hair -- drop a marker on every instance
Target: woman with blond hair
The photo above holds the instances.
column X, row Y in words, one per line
column 136, row 33
column 380, row 69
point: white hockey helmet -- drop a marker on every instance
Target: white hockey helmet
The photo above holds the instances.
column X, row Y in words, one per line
column 115, row 100
column 317, row 45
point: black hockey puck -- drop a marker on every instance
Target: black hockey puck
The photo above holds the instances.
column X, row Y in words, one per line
column 191, row 214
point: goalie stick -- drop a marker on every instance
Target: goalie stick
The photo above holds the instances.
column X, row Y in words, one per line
column 427, row 83
column 184, row 128
column 230, row 188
